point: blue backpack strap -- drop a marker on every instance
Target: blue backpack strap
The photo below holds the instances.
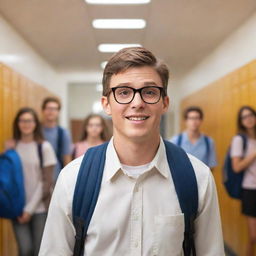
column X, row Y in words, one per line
column 185, row 183
column 244, row 138
column 86, row 193
column 207, row 143
column 60, row 135
column 40, row 154
column 179, row 141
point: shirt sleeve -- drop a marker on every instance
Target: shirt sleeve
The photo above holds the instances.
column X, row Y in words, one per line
column 59, row 224
column 49, row 157
column 212, row 162
column 236, row 147
column 66, row 142
column 208, row 231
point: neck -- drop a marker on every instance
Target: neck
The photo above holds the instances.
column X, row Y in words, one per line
column 193, row 134
column 251, row 133
column 50, row 123
column 134, row 152
column 27, row 137
column 93, row 140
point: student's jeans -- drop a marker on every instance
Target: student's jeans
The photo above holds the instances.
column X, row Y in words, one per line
column 29, row 235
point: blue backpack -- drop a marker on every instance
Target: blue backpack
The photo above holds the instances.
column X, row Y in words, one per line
column 89, row 182
column 12, row 194
column 231, row 179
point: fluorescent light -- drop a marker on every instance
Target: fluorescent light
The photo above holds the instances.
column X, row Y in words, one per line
column 115, row 47
column 118, row 1
column 103, row 64
column 9, row 58
column 97, row 107
column 119, row 23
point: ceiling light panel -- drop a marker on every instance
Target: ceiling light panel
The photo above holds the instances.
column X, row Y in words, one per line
column 118, row 1
column 115, row 47
column 119, row 23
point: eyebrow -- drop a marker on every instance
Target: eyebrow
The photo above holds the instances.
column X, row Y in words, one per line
column 146, row 83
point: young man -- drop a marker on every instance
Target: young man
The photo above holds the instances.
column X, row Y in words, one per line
column 193, row 141
column 137, row 211
column 56, row 135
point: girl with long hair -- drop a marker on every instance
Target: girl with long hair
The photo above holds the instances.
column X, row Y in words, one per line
column 245, row 161
column 94, row 132
column 37, row 171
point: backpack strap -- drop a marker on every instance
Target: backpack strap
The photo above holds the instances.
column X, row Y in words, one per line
column 88, row 183
column 185, row 183
column 207, row 143
column 40, row 154
column 179, row 141
column 244, row 138
column 60, row 135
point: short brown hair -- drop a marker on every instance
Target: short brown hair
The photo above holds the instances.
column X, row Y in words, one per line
column 50, row 99
column 193, row 109
column 133, row 57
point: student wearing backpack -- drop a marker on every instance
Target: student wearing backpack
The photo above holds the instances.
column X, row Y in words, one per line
column 37, row 173
column 193, row 141
column 244, row 160
column 94, row 132
column 55, row 134
column 133, row 208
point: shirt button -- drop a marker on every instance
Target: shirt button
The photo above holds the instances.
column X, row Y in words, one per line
column 136, row 244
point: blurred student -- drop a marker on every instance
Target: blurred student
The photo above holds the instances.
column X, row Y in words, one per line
column 94, row 132
column 193, row 141
column 56, row 135
column 245, row 160
column 38, row 184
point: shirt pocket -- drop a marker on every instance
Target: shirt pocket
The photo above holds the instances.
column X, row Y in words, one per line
column 168, row 235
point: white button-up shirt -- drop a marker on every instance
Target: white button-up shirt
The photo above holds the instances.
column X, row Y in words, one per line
column 134, row 216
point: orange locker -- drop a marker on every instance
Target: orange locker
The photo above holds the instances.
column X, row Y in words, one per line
column 16, row 91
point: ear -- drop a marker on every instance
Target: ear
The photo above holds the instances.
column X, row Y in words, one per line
column 166, row 103
column 106, row 106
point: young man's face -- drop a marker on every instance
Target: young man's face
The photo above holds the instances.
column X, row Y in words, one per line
column 51, row 111
column 193, row 121
column 136, row 120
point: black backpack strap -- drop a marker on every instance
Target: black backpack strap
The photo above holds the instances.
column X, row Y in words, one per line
column 179, row 141
column 185, row 183
column 86, row 193
column 40, row 154
column 60, row 134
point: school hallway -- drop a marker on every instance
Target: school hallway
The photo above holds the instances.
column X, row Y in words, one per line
column 60, row 48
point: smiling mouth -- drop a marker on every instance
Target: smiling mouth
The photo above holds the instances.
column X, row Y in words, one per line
column 137, row 118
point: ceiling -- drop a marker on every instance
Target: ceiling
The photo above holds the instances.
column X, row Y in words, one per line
column 181, row 32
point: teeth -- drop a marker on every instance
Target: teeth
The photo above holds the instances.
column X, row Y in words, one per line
column 137, row 118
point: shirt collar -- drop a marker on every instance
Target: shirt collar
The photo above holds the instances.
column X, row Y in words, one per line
column 113, row 165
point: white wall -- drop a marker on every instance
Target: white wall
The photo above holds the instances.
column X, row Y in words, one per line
column 82, row 97
column 18, row 54
column 237, row 50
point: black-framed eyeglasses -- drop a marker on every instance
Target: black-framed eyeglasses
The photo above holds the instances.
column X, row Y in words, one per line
column 149, row 94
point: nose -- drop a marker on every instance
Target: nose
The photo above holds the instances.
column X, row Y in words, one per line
column 137, row 101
